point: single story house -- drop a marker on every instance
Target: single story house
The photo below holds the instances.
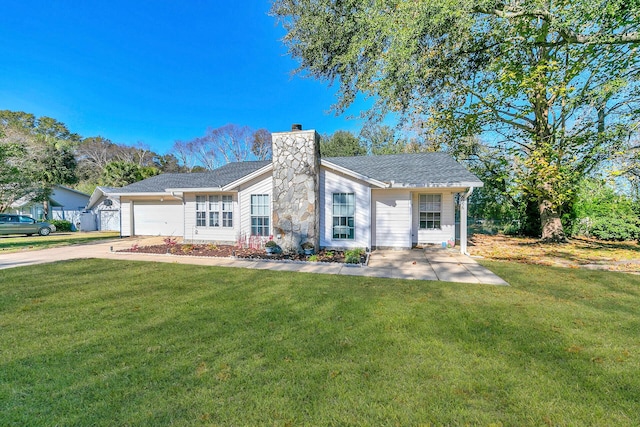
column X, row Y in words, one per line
column 64, row 203
column 103, row 211
column 387, row 201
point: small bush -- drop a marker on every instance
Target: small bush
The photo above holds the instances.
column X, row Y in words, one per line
column 512, row 229
column 61, row 224
column 270, row 244
column 352, row 256
column 314, row 258
column 615, row 228
column 170, row 241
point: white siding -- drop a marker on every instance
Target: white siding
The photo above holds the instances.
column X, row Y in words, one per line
column 333, row 182
column 260, row 185
column 213, row 234
column 392, row 213
column 125, row 218
column 447, row 230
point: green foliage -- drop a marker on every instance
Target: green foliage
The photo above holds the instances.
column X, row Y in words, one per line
column 119, row 174
column 600, row 211
column 615, row 228
column 342, row 144
column 352, row 256
column 35, row 154
column 383, row 140
column 271, row 244
column 61, row 224
column 550, row 84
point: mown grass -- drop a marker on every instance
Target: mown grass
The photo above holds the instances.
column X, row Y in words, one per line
column 98, row 342
column 21, row 243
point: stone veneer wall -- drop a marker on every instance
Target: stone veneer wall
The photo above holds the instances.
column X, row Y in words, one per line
column 296, row 189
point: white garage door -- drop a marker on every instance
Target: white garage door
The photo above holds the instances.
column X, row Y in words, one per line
column 158, row 218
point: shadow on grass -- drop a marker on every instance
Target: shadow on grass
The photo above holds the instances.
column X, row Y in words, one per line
column 100, row 342
column 11, row 243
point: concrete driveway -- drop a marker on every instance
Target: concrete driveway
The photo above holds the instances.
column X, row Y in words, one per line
column 415, row 264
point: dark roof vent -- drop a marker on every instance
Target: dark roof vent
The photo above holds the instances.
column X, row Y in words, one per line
column 295, row 127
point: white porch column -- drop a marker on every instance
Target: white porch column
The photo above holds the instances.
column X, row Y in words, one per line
column 463, row 220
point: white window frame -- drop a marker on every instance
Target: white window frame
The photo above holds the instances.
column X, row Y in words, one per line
column 214, row 210
column 343, row 216
column 430, row 211
column 260, row 215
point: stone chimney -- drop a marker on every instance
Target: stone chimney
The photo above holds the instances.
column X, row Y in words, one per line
column 296, row 188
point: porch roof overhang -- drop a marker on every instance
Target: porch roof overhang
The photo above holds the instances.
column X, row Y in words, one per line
column 142, row 194
column 475, row 184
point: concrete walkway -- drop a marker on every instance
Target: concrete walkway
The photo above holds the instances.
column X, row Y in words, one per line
column 416, row 264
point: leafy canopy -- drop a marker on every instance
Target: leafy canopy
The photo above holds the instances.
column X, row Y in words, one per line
column 553, row 84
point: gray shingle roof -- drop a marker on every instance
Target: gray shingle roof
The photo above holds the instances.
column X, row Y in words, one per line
column 216, row 178
column 414, row 170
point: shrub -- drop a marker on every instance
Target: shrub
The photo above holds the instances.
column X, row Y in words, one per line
column 170, row 241
column 314, row 258
column 270, row 244
column 615, row 228
column 352, row 256
column 61, row 224
column 512, row 229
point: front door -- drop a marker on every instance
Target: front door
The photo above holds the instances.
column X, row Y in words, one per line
column 392, row 213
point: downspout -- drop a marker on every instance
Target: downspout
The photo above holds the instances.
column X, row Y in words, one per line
column 463, row 221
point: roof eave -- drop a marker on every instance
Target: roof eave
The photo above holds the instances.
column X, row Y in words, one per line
column 193, row 190
column 465, row 184
column 353, row 174
column 248, row 177
column 141, row 194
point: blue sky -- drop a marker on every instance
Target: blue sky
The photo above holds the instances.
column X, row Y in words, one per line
column 156, row 72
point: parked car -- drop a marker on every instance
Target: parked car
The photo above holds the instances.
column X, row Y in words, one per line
column 23, row 224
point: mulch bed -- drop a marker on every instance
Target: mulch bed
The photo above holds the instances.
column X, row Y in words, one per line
column 226, row 251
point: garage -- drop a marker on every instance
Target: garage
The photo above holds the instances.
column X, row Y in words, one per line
column 158, row 218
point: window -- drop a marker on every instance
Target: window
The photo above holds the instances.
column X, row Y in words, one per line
column 260, row 215
column 430, row 207
column 209, row 210
column 344, row 208
column 201, row 211
column 227, row 211
column 214, row 211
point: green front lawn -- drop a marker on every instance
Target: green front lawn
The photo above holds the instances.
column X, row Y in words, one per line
column 15, row 243
column 97, row 342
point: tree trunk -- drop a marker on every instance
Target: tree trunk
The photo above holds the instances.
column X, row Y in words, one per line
column 552, row 230
column 45, row 209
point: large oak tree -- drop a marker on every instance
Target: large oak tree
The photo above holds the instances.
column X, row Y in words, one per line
column 553, row 82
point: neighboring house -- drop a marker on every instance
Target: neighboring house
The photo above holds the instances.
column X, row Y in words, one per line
column 390, row 201
column 103, row 211
column 65, row 203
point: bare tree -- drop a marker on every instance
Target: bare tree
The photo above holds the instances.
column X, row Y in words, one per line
column 261, row 144
column 226, row 144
